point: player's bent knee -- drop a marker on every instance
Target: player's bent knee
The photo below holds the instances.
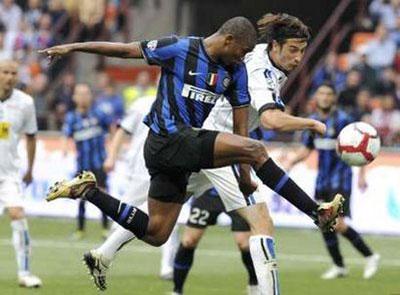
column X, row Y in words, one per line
column 16, row 213
column 256, row 151
column 189, row 242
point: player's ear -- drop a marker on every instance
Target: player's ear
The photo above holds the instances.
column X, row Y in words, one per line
column 228, row 39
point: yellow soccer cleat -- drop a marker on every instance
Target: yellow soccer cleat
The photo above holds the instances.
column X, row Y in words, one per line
column 73, row 189
column 329, row 211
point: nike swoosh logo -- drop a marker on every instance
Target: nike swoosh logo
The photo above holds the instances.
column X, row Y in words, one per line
column 191, row 73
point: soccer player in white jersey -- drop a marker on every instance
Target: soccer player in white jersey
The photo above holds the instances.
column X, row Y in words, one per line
column 17, row 118
column 283, row 40
column 138, row 182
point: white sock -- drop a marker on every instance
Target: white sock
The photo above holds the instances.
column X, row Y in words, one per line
column 114, row 242
column 262, row 250
column 168, row 251
column 22, row 245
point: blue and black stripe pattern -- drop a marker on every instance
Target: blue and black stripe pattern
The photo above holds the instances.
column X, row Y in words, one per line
column 88, row 131
column 333, row 173
column 190, row 83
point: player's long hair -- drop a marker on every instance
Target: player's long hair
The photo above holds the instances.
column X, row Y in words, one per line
column 280, row 27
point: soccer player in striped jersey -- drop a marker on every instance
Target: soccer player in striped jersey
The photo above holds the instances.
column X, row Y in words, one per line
column 87, row 127
column 17, row 118
column 334, row 176
column 195, row 74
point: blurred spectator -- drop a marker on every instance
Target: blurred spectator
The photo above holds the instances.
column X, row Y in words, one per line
column 34, row 12
column 62, row 102
column 397, row 90
column 37, row 89
column 10, row 15
column 385, row 11
column 362, row 108
column 380, row 52
column 395, row 33
column 386, row 82
column 347, row 98
column 6, row 51
column 43, row 37
column 386, row 120
column 143, row 86
column 107, row 99
column 329, row 71
column 368, row 74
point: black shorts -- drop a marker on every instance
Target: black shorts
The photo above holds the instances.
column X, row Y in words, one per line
column 170, row 160
column 205, row 210
column 101, row 177
column 328, row 195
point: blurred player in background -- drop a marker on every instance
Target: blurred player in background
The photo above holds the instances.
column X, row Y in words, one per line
column 87, row 127
column 204, row 212
column 204, row 70
column 17, row 118
column 334, row 176
column 138, row 182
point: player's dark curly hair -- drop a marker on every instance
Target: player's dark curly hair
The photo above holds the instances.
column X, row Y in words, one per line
column 280, row 27
column 241, row 29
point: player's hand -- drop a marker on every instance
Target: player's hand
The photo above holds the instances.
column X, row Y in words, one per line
column 319, row 127
column 27, row 179
column 247, row 187
column 109, row 165
column 56, row 52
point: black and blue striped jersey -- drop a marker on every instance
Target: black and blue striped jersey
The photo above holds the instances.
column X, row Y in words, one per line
column 190, row 83
column 333, row 173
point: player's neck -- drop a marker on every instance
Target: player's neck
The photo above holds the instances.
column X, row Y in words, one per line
column 325, row 113
column 211, row 48
column 273, row 59
column 82, row 110
column 5, row 94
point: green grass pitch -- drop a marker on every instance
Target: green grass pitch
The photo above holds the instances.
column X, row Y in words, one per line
column 217, row 268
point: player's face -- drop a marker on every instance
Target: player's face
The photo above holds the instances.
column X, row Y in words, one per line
column 234, row 51
column 289, row 54
column 82, row 96
column 325, row 97
column 8, row 75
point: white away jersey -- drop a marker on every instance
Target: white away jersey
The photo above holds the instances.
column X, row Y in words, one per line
column 264, row 83
column 17, row 117
column 133, row 123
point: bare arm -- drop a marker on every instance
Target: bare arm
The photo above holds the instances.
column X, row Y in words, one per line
column 122, row 50
column 31, row 151
column 240, row 127
column 277, row 120
column 115, row 147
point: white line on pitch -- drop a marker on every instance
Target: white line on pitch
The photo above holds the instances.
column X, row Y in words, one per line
column 208, row 252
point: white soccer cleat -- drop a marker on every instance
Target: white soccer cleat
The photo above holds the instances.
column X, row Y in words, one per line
column 97, row 266
column 371, row 266
column 253, row 290
column 335, row 272
column 167, row 273
column 29, row 281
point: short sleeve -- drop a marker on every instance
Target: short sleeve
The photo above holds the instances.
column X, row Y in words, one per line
column 156, row 52
column 307, row 138
column 237, row 93
column 264, row 94
column 131, row 121
column 30, row 123
column 68, row 125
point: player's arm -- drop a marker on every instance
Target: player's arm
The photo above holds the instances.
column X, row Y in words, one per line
column 115, row 147
column 31, row 152
column 275, row 119
column 112, row 49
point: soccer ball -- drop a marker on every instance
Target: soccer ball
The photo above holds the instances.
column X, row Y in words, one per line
column 358, row 144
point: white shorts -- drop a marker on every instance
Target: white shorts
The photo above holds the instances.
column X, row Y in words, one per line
column 137, row 190
column 11, row 193
column 224, row 181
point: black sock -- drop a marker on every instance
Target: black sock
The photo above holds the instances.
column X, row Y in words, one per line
column 81, row 215
column 248, row 263
column 277, row 180
column 182, row 264
column 332, row 244
column 125, row 215
column 104, row 221
column 358, row 243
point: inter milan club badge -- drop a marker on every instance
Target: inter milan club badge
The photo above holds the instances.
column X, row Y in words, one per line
column 226, row 82
column 212, row 79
